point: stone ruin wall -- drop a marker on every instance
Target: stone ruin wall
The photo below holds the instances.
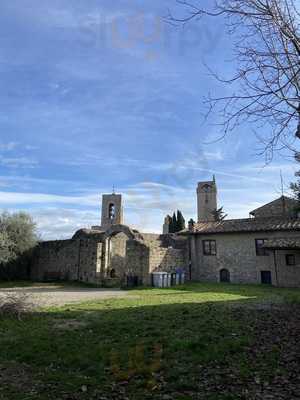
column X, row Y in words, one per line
column 84, row 259
column 166, row 253
column 118, row 262
column 70, row 260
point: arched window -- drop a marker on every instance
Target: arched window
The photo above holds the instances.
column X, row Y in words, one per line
column 224, row 275
column 111, row 211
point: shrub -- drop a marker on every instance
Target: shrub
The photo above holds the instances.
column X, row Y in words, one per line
column 17, row 239
column 15, row 305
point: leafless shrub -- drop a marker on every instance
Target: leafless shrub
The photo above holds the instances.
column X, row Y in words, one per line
column 15, row 305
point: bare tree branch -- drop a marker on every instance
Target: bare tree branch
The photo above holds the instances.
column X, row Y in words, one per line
column 267, row 54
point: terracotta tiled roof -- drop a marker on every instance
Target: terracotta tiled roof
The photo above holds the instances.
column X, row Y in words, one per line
column 282, row 202
column 248, row 225
column 283, row 243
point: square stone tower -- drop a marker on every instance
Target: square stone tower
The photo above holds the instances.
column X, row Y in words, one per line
column 207, row 200
column 112, row 210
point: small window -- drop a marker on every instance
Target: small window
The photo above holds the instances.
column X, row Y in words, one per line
column 290, row 259
column 260, row 250
column 209, row 247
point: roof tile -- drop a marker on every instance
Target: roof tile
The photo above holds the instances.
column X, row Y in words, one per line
column 248, row 225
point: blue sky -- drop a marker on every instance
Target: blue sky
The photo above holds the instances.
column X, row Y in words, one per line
column 95, row 94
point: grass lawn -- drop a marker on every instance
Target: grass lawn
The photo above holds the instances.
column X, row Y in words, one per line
column 200, row 341
column 61, row 284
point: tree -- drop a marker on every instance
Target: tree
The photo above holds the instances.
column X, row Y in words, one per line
column 267, row 51
column 6, row 246
column 295, row 188
column 219, row 214
column 17, row 238
column 177, row 222
column 174, row 223
column 180, row 221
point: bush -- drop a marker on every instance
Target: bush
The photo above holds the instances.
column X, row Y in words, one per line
column 17, row 239
column 15, row 305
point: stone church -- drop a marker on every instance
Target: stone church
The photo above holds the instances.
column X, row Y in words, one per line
column 264, row 248
column 111, row 254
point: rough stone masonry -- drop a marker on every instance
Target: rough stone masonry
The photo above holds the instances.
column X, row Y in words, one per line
column 109, row 254
column 264, row 248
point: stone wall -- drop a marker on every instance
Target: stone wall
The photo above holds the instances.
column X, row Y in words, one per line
column 56, row 260
column 137, row 257
column 71, row 260
column 90, row 262
column 166, row 253
column 92, row 258
column 237, row 254
column 287, row 275
column 117, row 258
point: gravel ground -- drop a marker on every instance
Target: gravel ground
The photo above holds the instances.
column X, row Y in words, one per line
column 57, row 296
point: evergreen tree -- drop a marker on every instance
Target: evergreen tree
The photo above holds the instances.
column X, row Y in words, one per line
column 174, row 224
column 180, row 221
column 219, row 214
column 295, row 187
column 177, row 222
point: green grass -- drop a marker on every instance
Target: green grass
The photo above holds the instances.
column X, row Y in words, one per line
column 197, row 341
column 62, row 284
column 13, row 284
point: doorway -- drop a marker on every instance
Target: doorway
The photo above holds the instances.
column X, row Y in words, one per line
column 266, row 277
column 224, row 276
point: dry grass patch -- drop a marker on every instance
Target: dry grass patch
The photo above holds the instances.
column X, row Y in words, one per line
column 15, row 305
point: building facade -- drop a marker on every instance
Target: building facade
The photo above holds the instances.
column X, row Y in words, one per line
column 263, row 249
column 244, row 250
column 110, row 254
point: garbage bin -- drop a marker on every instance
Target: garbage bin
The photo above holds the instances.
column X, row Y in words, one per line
column 180, row 276
column 161, row 279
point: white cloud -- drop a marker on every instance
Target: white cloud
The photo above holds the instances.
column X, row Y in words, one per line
column 7, row 198
column 146, row 203
column 214, row 156
column 62, row 223
column 8, row 146
column 18, row 162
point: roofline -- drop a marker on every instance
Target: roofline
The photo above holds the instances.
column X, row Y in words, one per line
column 242, row 231
column 281, row 248
column 273, row 201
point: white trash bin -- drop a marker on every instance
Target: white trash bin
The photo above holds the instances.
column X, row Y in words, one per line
column 161, row 279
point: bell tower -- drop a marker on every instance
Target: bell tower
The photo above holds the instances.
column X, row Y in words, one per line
column 112, row 210
column 207, row 200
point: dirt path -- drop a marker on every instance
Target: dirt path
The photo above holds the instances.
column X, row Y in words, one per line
column 57, row 296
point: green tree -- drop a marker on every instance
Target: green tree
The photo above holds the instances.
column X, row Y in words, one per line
column 180, row 221
column 17, row 238
column 177, row 222
column 295, row 188
column 219, row 214
column 6, row 246
column 173, row 227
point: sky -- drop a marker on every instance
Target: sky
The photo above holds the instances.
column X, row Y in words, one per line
column 96, row 94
